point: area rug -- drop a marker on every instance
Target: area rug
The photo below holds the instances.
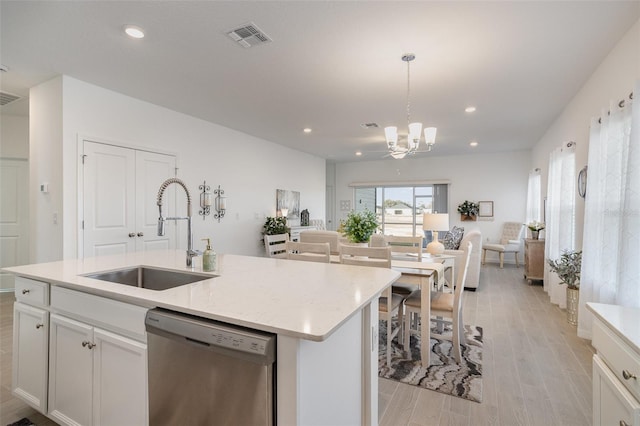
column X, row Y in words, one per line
column 443, row 374
column 22, row 422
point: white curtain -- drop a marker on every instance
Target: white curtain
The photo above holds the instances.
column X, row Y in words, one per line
column 560, row 220
column 611, row 241
column 533, row 197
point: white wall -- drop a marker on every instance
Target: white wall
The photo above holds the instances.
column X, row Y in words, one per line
column 501, row 178
column 613, row 80
column 45, row 165
column 249, row 169
column 14, row 136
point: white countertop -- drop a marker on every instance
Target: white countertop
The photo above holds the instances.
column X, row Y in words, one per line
column 625, row 322
column 300, row 299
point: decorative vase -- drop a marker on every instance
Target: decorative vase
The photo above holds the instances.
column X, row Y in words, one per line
column 534, row 235
column 573, row 295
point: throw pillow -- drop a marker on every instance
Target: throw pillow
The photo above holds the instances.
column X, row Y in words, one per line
column 452, row 238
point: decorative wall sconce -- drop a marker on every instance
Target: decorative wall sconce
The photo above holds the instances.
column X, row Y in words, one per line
column 220, row 203
column 206, row 199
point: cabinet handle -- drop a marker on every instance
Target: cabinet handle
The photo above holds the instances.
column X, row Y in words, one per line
column 132, row 234
column 623, row 423
column 628, row 375
column 25, row 291
column 140, row 234
column 39, row 325
column 89, row 345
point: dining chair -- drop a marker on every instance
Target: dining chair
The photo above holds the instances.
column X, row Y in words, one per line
column 388, row 303
column 330, row 237
column 445, row 307
column 402, row 248
column 276, row 245
column 310, row 252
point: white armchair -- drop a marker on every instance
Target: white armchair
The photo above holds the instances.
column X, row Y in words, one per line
column 510, row 242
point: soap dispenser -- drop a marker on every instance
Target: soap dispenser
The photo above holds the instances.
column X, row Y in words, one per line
column 208, row 257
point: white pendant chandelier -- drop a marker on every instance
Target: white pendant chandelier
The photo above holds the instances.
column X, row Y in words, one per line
column 414, row 129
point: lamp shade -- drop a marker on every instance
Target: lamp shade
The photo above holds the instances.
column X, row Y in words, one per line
column 435, row 222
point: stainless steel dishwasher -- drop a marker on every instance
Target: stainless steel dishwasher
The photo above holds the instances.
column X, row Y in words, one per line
column 204, row 372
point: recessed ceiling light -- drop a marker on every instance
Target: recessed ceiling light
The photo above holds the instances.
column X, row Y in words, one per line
column 133, row 31
column 358, row 153
column 306, row 130
column 473, row 143
column 470, row 109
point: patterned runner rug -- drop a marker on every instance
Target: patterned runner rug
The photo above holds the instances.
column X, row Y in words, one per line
column 444, row 374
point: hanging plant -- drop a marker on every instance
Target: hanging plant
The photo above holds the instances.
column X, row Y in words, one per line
column 468, row 210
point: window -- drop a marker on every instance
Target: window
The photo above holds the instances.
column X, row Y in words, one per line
column 399, row 208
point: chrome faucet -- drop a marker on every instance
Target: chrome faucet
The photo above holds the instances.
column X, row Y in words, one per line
column 190, row 252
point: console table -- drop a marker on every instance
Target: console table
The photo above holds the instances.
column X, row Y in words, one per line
column 533, row 259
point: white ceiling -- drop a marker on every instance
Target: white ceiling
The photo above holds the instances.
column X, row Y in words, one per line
column 331, row 66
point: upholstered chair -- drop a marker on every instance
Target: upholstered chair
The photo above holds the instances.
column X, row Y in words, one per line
column 510, row 240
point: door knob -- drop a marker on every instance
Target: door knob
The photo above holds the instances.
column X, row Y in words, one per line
column 140, row 234
column 132, row 234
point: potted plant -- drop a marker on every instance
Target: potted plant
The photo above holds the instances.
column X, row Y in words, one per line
column 468, row 210
column 535, row 227
column 359, row 226
column 567, row 267
column 274, row 226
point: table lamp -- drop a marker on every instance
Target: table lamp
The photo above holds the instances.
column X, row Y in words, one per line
column 435, row 222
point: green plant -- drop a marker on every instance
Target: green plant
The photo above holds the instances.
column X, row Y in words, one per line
column 359, row 226
column 275, row 226
column 568, row 268
column 468, row 208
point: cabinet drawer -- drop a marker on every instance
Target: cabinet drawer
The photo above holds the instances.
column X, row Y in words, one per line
column 32, row 292
column 119, row 317
column 618, row 356
column 612, row 403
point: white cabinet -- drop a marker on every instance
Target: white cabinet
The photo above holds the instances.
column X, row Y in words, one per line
column 31, row 342
column 96, row 377
column 30, row 360
column 616, row 376
column 98, row 360
column 296, row 230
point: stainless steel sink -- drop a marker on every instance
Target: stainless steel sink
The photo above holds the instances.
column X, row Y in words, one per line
column 149, row 278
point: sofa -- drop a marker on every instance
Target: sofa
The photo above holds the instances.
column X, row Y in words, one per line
column 473, row 273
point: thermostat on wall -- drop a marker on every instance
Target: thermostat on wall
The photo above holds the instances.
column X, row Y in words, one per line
column 44, row 187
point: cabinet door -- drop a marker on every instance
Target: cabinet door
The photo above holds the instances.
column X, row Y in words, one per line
column 612, row 403
column 70, row 371
column 120, row 380
column 30, row 349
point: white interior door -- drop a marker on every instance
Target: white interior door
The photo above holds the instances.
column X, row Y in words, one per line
column 119, row 199
column 14, row 217
column 151, row 170
column 109, row 199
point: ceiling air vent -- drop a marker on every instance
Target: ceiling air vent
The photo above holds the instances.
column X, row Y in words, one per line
column 248, row 35
column 369, row 125
column 7, row 98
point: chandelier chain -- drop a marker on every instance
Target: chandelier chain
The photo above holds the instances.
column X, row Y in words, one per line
column 408, row 92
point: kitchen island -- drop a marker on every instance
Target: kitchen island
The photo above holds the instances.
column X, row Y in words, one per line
column 325, row 318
